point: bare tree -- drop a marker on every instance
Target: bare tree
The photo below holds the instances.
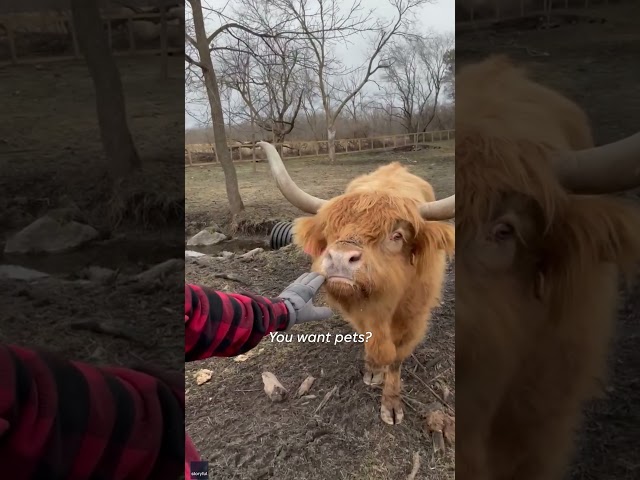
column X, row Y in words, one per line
column 415, row 79
column 110, row 103
column 269, row 77
column 450, row 76
column 202, row 44
column 323, row 26
column 357, row 107
column 433, row 53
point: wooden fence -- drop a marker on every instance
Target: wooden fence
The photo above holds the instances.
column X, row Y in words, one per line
column 497, row 10
column 204, row 154
column 45, row 26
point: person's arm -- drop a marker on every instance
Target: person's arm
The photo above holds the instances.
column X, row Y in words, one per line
column 64, row 419
column 227, row 324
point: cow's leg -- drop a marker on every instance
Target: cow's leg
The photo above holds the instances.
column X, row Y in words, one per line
column 379, row 352
column 391, row 409
column 373, row 373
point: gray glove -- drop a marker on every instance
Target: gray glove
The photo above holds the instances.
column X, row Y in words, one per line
column 298, row 297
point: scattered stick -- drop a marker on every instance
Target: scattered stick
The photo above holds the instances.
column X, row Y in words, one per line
column 326, row 399
column 102, row 327
column 429, row 365
column 416, row 467
column 432, row 391
column 406, row 397
column 433, row 379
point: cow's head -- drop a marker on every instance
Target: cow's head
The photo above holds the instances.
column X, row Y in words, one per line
column 367, row 244
column 532, row 227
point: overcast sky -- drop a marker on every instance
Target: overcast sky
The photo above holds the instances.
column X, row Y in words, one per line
column 439, row 16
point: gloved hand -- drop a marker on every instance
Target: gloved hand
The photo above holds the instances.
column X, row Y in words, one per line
column 298, row 297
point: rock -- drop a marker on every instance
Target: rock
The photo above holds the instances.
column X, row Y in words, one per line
column 251, row 253
column 205, row 237
column 49, row 235
column 162, row 270
column 214, row 227
column 192, row 254
column 273, row 388
column 16, row 272
column 226, row 254
column 100, row 274
column 203, row 376
column 305, row 386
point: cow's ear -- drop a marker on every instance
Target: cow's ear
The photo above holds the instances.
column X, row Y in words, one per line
column 599, row 229
column 439, row 236
column 308, row 235
column 430, row 238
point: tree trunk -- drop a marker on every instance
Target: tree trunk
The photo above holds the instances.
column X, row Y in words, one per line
column 253, row 141
column 219, row 135
column 110, row 104
column 331, row 143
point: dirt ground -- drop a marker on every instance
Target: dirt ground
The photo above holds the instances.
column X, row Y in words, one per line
column 52, row 157
column 596, row 64
column 235, row 426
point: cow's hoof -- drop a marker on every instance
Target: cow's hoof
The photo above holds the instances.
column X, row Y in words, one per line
column 373, row 379
column 391, row 414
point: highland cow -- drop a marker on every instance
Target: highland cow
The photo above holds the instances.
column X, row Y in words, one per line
column 537, row 265
column 383, row 249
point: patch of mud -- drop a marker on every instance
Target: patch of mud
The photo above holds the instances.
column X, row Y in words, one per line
column 235, row 245
column 245, row 436
column 125, row 255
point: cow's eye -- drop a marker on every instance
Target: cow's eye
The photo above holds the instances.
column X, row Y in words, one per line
column 502, row 231
column 397, row 236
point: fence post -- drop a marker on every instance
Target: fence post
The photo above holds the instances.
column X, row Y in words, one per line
column 164, row 69
column 109, row 33
column 74, row 37
column 132, row 40
column 12, row 43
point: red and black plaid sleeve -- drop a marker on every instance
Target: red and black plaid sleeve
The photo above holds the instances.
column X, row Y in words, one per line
column 227, row 324
column 69, row 420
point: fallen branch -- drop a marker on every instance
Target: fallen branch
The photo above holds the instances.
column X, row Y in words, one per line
column 326, row 399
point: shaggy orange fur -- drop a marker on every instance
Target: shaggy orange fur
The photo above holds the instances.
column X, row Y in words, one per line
column 394, row 290
column 534, row 313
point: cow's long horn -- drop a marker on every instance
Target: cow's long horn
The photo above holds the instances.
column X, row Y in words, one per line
column 609, row 168
column 443, row 209
column 296, row 196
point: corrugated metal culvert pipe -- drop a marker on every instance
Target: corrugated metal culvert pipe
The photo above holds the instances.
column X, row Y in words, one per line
column 281, row 235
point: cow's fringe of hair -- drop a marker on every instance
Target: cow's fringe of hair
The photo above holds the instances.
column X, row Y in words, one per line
column 487, row 167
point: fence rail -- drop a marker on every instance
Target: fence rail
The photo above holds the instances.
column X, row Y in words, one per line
column 60, row 24
column 497, row 10
column 312, row 148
